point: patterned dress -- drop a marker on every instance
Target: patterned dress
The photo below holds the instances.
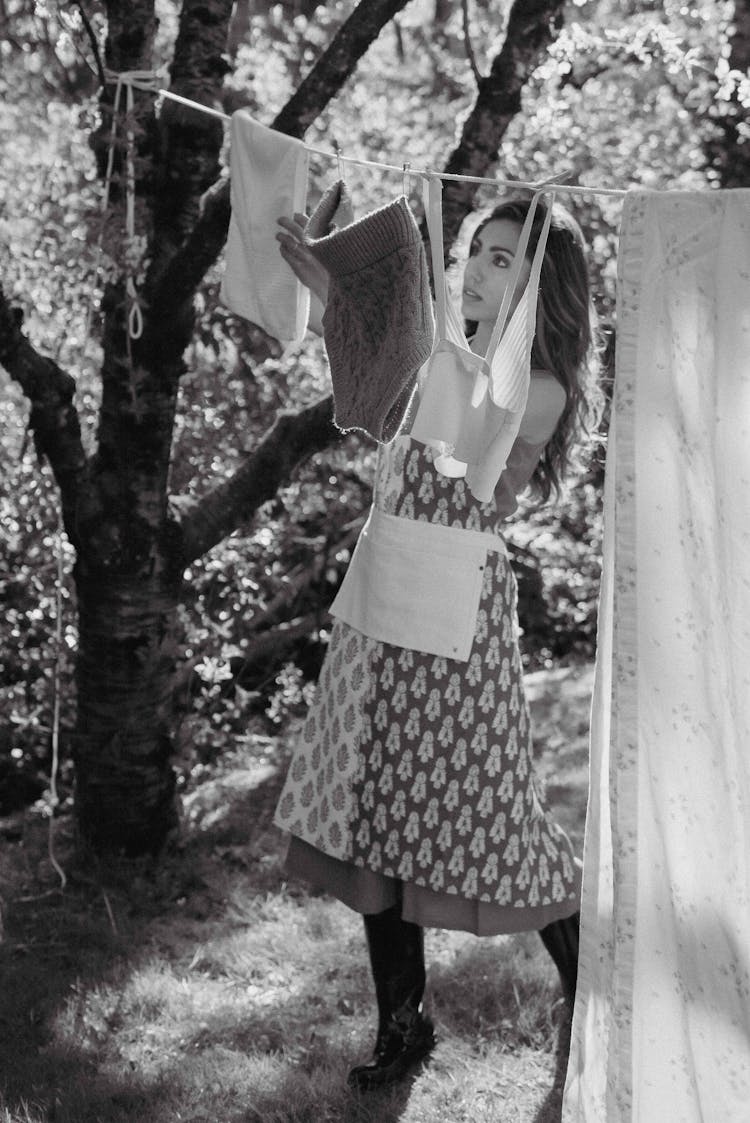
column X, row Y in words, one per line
column 414, row 774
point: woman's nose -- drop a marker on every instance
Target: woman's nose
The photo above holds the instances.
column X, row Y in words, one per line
column 473, row 270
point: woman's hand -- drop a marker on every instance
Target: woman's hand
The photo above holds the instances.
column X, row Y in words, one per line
column 310, row 272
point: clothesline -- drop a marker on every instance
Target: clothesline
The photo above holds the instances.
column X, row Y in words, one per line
column 149, row 82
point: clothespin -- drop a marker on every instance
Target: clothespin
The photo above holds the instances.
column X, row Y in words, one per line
column 549, row 184
column 407, row 179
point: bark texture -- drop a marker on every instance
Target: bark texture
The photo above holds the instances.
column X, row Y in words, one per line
column 129, row 564
column 131, row 549
column 532, row 26
column 53, row 419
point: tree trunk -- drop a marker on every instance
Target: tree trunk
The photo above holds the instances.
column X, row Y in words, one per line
column 131, row 553
column 123, row 739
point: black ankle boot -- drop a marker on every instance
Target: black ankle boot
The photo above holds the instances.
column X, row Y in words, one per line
column 405, row 1035
column 561, row 940
column 407, row 1039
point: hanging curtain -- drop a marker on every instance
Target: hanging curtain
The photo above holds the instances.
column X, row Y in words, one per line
column 661, row 1029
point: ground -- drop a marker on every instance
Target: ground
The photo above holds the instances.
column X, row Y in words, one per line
column 207, row 988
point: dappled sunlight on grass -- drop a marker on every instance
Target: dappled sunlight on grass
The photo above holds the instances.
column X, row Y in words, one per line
column 504, row 994
column 208, row 989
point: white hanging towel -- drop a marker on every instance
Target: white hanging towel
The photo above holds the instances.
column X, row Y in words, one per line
column 269, row 174
column 661, row 1028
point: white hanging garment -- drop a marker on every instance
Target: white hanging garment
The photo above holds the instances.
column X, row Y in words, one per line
column 269, row 180
column 661, row 1029
column 471, row 406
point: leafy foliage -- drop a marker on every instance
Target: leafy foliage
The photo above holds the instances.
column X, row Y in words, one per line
column 629, row 94
column 39, row 631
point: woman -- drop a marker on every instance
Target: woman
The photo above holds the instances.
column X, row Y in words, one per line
column 412, row 796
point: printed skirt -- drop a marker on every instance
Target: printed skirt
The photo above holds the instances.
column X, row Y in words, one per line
column 413, row 780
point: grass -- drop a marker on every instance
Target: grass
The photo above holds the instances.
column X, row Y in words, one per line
column 207, row 989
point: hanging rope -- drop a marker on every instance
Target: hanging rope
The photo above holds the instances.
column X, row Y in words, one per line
column 145, row 81
column 54, row 771
column 130, row 80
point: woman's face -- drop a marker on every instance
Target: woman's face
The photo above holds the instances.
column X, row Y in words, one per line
column 491, row 256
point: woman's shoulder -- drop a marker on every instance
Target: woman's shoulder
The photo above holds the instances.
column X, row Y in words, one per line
column 546, row 378
column 544, row 407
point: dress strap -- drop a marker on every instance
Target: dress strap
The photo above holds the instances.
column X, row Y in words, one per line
column 432, row 192
column 518, row 260
column 509, row 351
column 447, row 321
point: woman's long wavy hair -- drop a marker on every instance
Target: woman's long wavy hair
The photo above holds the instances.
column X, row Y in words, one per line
column 566, row 343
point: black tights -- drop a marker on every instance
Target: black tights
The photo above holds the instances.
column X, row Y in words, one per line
column 396, row 948
column 561, row 940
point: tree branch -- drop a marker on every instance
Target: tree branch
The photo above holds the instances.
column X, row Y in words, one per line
column 467, row 42
column 334, row 67
column 532, row 26
column 54, row 418
column 297, row 583
column 92, row 40
column 190, row 142
column 279, row 625
column 292, row 439
column 266, row 649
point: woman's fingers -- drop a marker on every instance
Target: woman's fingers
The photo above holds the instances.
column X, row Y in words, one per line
column 295, row 252
column 291, row 239
column 295, row 226
column 291, row 250
column 298, row 257
column 287, row 244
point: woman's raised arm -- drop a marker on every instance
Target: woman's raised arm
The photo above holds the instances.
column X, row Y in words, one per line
column 291, row 239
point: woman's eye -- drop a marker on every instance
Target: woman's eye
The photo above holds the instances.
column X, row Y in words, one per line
column 501, row 260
